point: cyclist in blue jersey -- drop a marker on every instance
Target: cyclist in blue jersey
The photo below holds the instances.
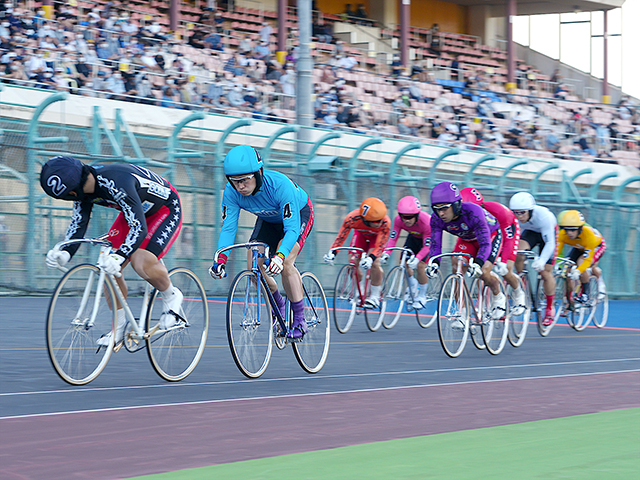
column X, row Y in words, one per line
column 285, row 218
column 478, row 234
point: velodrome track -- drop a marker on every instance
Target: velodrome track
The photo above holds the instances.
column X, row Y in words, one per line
column 375, row 386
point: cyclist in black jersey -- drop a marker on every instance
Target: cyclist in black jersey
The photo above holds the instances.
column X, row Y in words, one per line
column 149, row 222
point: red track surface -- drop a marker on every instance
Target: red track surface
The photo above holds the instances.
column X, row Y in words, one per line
column 125, row 443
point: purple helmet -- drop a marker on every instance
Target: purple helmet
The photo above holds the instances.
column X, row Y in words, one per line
column 447, row 192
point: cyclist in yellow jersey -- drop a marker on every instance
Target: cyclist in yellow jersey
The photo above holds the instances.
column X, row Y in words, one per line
column 588, row 247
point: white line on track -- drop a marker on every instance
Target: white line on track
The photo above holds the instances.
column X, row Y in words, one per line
column 316, row 394
column 315, row 377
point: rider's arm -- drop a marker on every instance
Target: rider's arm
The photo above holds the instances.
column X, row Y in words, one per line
column 78, row 226
column 478, row 224
column 381, row 238
column 134, row 215
column 590, row 240
column 436, row 237
column 289, row 195
column 395, row 232
column 424, row 226
column 345, row 228
column 548, row 232
column 230, row 214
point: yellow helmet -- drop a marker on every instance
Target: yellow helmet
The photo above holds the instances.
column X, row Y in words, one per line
column 571, row 219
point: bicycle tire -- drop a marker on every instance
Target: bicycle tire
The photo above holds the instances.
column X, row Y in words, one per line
column 494, row 330
column 312, row 350
column 453, row 324
column 393, row 293
column 249, row 328
column 71, row 335
column 427, row 315
column 560, row 304
column 174, row 353
column 475, row 324
column 600, row 313
column 518, row 324
column 344, row 299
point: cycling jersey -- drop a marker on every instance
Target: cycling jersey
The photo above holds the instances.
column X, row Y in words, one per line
column 279, row 200
column 139, row 194
column 378, row 235
column 420, row 230
column 544, row 222
column 590, row 241
column 474, row 224
column 509, row 227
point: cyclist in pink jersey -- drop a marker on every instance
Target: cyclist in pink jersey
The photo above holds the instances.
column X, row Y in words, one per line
column 418, row 225
column 510, row 228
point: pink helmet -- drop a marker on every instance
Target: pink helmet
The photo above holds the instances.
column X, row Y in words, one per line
column 409, row 206
column 471, row 195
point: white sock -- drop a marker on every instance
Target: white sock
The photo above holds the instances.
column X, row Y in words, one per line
column 413, row 283
column 422, row 291
column 122, row 319
column 375, row 290
column 168, row 293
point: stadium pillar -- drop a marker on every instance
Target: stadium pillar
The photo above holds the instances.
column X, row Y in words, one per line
column 511, row 47
column 47, row 6
column 405, row 12
column 304, row 65
column 606, row 98
column 281, row 51
column 173, row 16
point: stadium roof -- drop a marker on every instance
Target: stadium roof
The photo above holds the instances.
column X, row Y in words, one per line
column 536, row 7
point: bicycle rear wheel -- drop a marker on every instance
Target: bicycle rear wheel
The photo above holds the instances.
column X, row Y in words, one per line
column 453, row 316
column 519, row 323
column 311, row 352
column 494, row 330
column 393, row 293
column 475, row 325
column 174, row 353
column 76, row 319
column 427, row 315
column 345, row 299
column 600, row 313
column 249, row 328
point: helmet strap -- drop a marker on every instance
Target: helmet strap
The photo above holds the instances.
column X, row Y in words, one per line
column 258, row 177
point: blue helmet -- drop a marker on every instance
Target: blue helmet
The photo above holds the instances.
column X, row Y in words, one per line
column 447, row 192
column 62, row 175
column 242, row 160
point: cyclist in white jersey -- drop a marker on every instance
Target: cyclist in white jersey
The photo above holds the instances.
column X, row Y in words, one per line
column 539, row 227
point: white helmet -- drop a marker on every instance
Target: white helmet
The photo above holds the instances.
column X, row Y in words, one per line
column 522, row 201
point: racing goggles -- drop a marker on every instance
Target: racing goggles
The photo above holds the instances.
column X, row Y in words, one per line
column 242, row 179
column 570, row 229
column 408, row 217
column 519, row 212
column 441, row 207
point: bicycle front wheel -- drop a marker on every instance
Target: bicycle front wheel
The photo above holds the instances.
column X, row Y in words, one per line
column 600, row 313
column 428, row 315
column 560, row 304
column 79, row 314
column 345, row 299
column 475, row 323
column 518, row 320
column 174, row 353
column 249, row 328
column 453, row 316
column 393, row 297
column 494, row 330
column 311, row 352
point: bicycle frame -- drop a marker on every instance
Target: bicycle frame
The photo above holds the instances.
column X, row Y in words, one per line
column 458, row 273
column 361, row 294
column 105, row 248
column 529, row 255
column 404, row 256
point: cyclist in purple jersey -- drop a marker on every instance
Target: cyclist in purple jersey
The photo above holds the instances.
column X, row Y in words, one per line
column 478, row 234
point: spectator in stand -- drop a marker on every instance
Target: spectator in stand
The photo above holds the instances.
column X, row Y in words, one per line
column 265, row 33
column 434, row 40
column 322, row 31
column 405, row 127
column 274, row 68
column 250, row 97
column 552, row 142
column 213, row 41
column 218, row 21
column 261, row 50
column 362, row 16
column 144, row 88
column 347, row 62
column 14, row 73
column 288, row 88
column 348, row 12
column 396, row 66
column 235, row 97
column 246, row 45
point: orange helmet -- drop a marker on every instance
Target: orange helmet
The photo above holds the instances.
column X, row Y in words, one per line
column 373, row 209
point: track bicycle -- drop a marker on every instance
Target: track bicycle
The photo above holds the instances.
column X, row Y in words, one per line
column 534, row 292
column 350, row 293
column 81, row 311
column 579, row 314
column 519, row 317
column 397, row 295
column 255, row 324
column 457, row 312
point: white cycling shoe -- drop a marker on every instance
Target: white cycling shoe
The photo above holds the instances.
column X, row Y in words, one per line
column 372, row 302
column 104, row 340
column 519, row 302
column 498, row 306
column 173, row 304
column 420, row 302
